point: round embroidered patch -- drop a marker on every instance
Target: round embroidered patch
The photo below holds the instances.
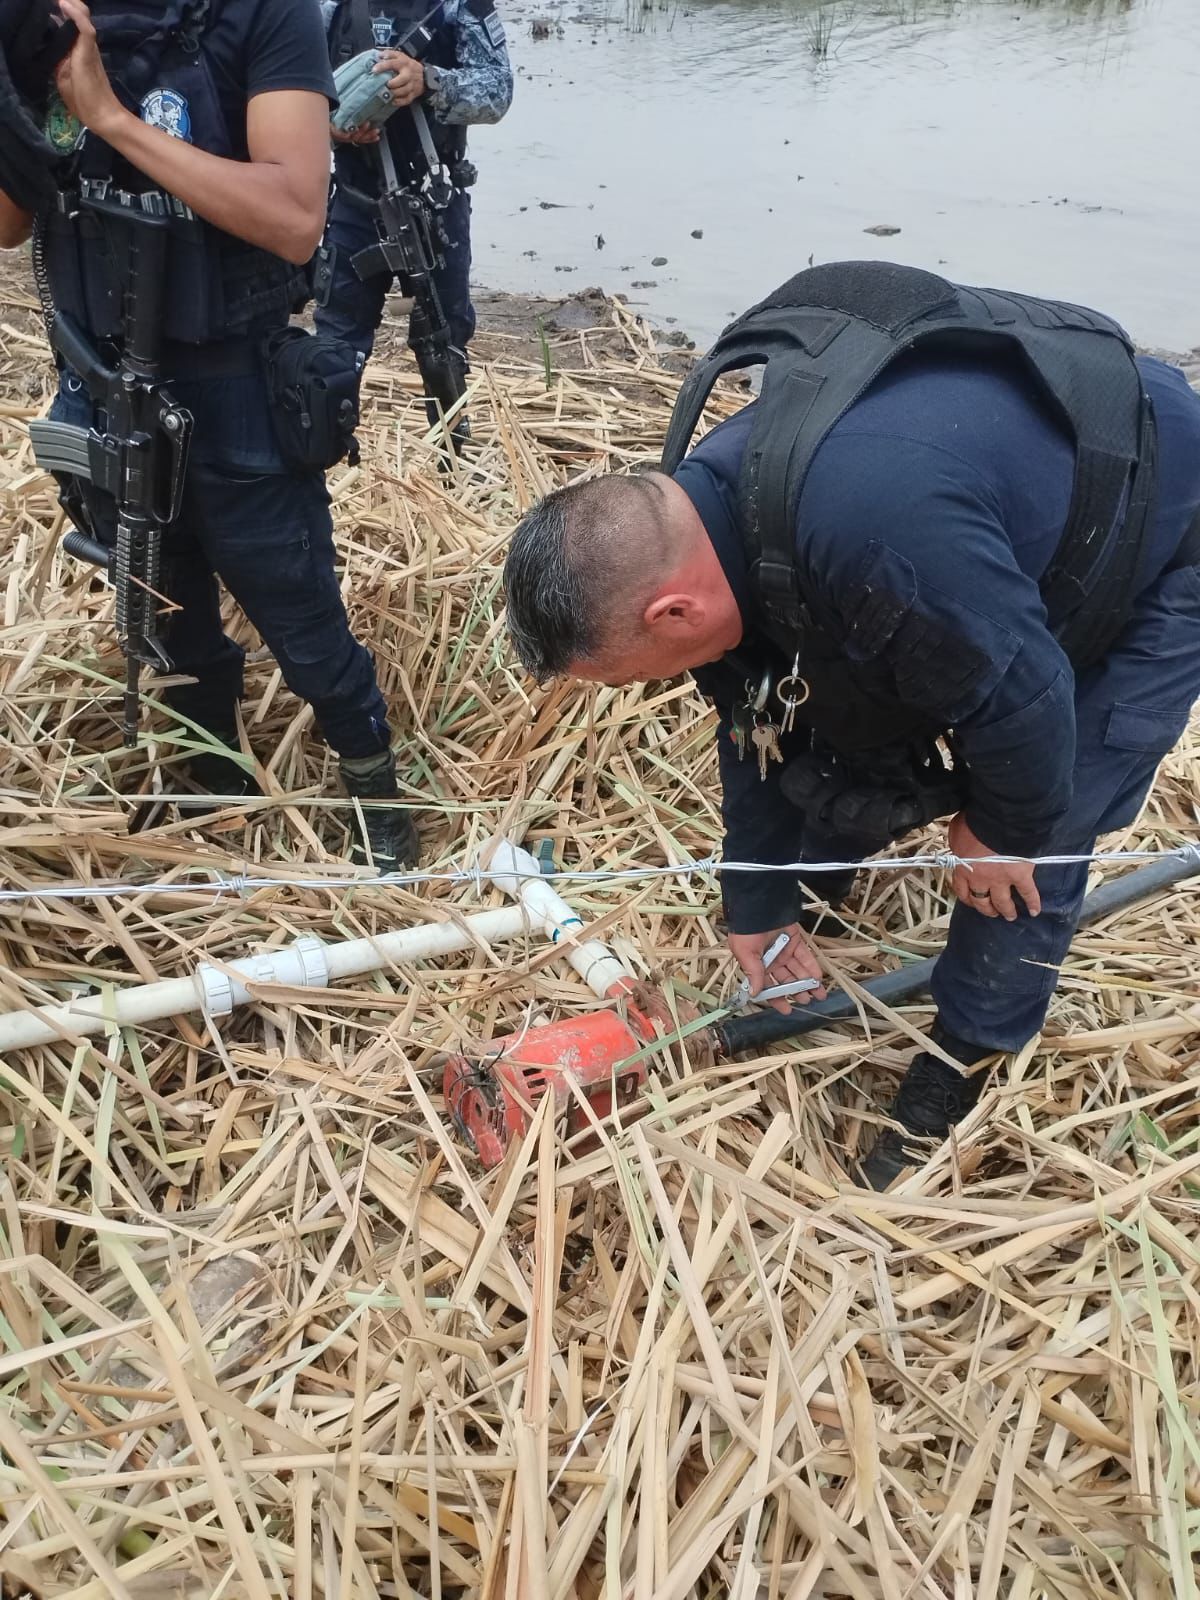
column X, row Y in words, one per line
column 168, row 110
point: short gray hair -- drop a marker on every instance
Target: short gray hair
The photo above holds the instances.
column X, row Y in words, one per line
column 578, row 565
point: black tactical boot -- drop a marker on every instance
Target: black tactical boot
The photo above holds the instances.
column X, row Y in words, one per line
column 390, row 835
column 460, row 435
column 931, row 1099
column 460, row 448
column 215, row 773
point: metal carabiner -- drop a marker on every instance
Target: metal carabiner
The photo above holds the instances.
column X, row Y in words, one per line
column 756, row 699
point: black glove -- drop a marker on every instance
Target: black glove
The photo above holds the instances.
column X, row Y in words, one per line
column 33, row 40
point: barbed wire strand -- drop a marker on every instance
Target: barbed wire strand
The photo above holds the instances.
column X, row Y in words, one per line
column 481, row 877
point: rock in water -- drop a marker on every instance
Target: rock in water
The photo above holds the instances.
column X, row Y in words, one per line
column 882, row 230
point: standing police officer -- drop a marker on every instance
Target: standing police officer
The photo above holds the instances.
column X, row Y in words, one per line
column 215, row 112
column 462, row 76
column 952, row 515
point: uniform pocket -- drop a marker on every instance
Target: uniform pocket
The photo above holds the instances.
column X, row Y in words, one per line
column 1147, row 730
column 944, row 657
column 270, row 537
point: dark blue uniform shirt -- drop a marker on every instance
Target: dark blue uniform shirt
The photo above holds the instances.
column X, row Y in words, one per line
column 948, row 483
column 258, row 46
column 250, row 47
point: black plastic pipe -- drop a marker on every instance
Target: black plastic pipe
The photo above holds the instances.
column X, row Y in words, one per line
column 765, row 1026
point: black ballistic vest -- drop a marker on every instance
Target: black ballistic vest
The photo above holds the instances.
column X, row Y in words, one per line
column 220, row 287
column 825, row 336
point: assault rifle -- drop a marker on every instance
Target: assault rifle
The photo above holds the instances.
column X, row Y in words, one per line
column 138, row 452
column 410, row 245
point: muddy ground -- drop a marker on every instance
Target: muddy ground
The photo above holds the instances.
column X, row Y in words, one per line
column 511, row 326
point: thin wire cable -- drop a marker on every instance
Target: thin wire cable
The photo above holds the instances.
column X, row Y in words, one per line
column 240, row 884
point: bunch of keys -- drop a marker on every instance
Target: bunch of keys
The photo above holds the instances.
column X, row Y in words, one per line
column 765, row 739
column 778, row 991
column 747, row 716
column 752, row 725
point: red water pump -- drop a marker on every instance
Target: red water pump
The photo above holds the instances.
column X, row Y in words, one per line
column 492, row 1095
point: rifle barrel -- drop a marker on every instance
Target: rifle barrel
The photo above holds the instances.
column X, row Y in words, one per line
column 132, row 703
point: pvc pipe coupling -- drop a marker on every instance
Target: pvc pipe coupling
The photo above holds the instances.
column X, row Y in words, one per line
column 300, row 965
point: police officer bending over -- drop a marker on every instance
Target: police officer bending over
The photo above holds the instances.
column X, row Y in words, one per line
column 952, row 515
column 221, row 107
column 452, row 63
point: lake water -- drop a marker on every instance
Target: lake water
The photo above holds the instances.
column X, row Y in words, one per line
column 1045, row 145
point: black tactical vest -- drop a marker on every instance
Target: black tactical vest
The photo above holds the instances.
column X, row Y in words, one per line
column 221, row 287
column 825, row 337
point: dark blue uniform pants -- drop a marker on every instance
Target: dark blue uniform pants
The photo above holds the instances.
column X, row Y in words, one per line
column 267, row 533
column 355, row 307
column 994, row 980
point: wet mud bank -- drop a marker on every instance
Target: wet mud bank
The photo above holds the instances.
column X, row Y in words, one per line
column 512, row 321
column 511, row 324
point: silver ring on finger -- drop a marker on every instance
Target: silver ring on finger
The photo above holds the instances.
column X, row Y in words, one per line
column 980, row 894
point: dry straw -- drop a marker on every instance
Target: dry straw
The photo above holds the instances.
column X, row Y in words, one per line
column 268, row 1331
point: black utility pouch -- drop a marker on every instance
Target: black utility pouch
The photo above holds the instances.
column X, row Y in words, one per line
column 321, row 269
column 312, row 380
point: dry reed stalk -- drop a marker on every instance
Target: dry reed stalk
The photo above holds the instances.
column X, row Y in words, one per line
column 266, row 1328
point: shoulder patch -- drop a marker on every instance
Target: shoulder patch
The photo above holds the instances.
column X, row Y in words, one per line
column 484, row 11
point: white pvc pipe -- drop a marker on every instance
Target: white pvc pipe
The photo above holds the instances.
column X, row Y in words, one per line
column 517, row 873
column 356, row 956
column 91, row 1013
column 216, row 990
column 308, row 963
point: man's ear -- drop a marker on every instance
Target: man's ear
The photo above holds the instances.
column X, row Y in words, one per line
column 675, row 610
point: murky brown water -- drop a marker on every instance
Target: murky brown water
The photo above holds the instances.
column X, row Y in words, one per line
column 1049, row 145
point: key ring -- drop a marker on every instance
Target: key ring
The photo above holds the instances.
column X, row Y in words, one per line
column 786, row 697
